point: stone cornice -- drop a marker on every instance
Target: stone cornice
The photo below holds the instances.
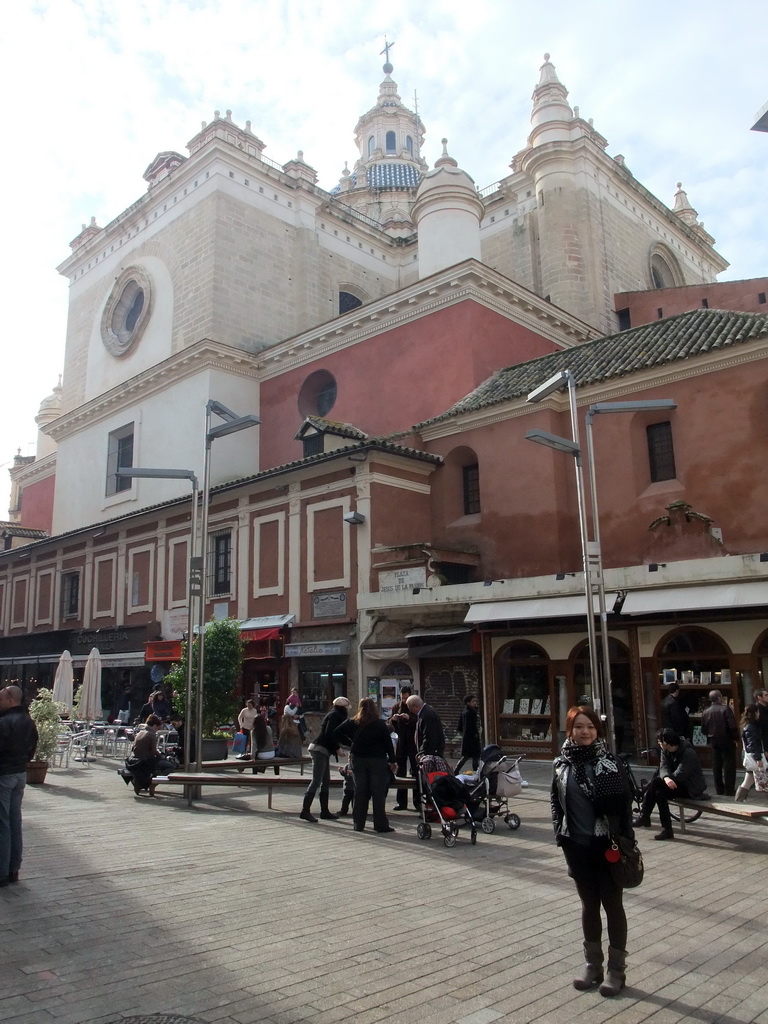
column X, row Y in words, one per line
column 468, row 280
column 35, row 471
column 202, row 356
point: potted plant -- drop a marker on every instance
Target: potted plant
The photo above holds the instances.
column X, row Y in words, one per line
column 46, row 713
column 223, row 665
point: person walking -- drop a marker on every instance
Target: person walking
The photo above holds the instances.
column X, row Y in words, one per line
column 403, row 721
column 674, row 714
column 430, row 737
column 719, row 726
column 373, row 760
column 761, row 703
column 679, row 774
column 590, row 799
column 245, row 722
column 321, row 750
column 18, row 742
column 468, row 728
column 752, row 740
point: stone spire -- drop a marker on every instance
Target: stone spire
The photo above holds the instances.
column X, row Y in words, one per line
column 550, row 106
column 683, row 208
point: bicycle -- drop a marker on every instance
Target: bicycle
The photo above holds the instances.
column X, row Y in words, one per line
column 638, row 793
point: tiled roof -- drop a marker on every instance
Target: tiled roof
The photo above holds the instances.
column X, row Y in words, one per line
column 619, row 355
column 8, row 529
column 391, row 175
column 334, row 427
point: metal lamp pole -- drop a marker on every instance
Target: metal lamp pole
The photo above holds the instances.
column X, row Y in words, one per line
column 231, row 425
column 595, row 547
column 194, row 579
column 574, row 448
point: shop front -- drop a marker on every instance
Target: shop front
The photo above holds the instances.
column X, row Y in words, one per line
column 320, row 669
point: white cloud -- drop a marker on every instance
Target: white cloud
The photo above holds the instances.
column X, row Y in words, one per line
column 95, row 88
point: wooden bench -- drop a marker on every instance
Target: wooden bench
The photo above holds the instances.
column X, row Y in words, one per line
column 275, row 763
column 193, row 782
column 758, row 815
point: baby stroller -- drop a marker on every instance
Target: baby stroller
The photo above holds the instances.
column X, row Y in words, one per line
column 443, row 800
column 499, row 781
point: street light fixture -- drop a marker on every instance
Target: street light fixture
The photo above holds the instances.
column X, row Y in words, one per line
column 573, row 447
column 194, row 578
column 231, row 425
column 649, row 405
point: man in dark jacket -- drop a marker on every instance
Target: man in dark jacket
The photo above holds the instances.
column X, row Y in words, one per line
column 18, row 741
column 430, row 738
column 761, row 700
column 674, row 714
column 679, row 774
column 469, row 729
column 719, row 726
column 403, row 721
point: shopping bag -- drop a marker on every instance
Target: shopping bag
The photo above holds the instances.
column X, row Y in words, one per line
column 239, row 743
column 761, row 779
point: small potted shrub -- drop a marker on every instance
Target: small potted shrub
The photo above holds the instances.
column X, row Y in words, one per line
column 46, row 713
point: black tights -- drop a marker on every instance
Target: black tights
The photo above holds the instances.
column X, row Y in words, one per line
column 597, row 889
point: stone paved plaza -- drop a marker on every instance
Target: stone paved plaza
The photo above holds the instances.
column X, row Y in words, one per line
column 138, row 910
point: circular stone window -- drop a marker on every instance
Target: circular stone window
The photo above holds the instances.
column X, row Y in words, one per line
column 127, row 312
column 318, row 394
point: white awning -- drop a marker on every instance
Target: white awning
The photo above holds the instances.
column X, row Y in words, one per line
column 267, row 622
column 687, row 599
column 385, row 653
column 535, row 608
column 427, row 631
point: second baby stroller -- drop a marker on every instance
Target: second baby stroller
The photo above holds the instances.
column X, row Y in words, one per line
column 444, row 800
column 499, row 780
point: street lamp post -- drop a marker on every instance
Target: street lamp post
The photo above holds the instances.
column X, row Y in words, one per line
column 231, row 425
column 194, row 579
column 573, row 448
column 650, row 405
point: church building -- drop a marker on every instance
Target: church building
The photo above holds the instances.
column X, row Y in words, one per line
column 385, row 332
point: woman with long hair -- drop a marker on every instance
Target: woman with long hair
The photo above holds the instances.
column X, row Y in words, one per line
column 752, row 740
column 373, row 760
column 590, row 801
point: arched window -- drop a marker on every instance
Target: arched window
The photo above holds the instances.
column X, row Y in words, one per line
column 391, row 142
column 409, row 144
column 348, row 301
column 371, row 145
column 664, row 272
column 522, row 687
column 699, row 662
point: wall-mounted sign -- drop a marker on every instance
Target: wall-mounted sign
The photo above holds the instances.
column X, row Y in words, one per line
column 329, row 606
column 395, row 581
column 331, row 647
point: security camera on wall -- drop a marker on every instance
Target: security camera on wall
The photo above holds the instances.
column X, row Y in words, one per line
column 356, row 518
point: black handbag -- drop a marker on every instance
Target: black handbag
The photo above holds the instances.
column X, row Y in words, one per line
column 625, row 862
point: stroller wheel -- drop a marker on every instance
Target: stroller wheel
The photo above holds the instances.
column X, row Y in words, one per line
column 449, row 838
column 488, row 826
column 473, row 836
column 513, row 821
column 423, row 831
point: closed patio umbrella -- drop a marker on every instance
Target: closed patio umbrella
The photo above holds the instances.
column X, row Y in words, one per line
column 89, row 704
column 62, row 681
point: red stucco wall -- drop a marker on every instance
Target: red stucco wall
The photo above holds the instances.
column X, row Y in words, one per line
column 743, row 296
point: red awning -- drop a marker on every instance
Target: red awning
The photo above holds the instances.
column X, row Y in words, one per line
column 260, row 634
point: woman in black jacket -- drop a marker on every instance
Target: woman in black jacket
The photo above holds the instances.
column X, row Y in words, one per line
column 752, row 739
column 590, row 800
column 372, row 756
column 320, row 751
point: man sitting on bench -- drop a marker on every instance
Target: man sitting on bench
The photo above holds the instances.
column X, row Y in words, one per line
column 679, row 775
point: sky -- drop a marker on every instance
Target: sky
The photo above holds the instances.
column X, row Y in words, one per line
column 94, row 89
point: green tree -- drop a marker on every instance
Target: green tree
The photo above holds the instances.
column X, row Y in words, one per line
column 223, row 665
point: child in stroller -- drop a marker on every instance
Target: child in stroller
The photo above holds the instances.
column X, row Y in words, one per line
column 444, row 799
